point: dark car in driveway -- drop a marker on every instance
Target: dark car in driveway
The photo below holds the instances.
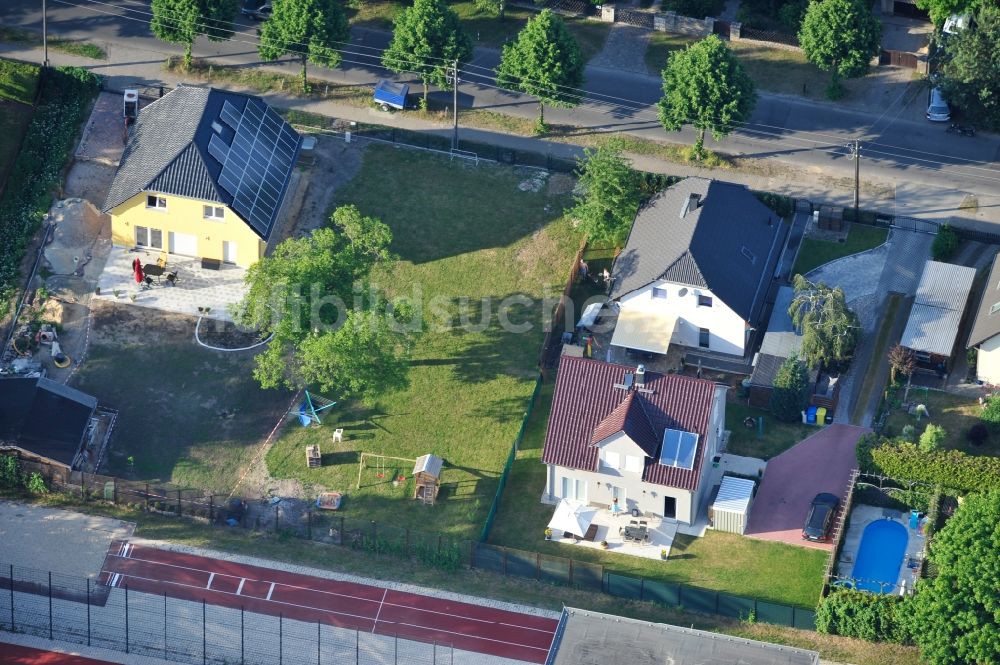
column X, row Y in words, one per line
column 820, row 517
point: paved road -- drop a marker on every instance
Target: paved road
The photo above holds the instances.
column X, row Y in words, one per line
column 921, row 170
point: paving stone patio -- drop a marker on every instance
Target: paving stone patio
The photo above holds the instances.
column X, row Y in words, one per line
column 212, row 290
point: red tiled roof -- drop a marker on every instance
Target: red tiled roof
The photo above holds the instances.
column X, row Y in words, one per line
column 585, row 400
column 629, row 417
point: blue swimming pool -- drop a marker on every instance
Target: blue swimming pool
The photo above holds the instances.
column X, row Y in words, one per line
column 880, row 555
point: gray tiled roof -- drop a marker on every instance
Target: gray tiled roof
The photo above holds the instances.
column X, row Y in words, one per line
column 730, row 244
column 987, row 323
column 167, row 152
column 781, row 338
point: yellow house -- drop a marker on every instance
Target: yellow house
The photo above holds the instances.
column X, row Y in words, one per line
column 985, row 335
column 203, row 175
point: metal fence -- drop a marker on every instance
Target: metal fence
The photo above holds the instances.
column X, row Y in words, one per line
column 79, row 611
column 594, row 577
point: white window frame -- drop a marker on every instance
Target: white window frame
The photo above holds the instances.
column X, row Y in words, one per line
column 633, row 463
column 147, row 231
column 159, row 202
column 705, row 301
column 213, row 212
column 573, row 488
column 612, row 460
column 659, row 293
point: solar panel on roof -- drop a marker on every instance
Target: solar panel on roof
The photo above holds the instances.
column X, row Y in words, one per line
column 678, row 449
column 257, row 162
column 217, row 148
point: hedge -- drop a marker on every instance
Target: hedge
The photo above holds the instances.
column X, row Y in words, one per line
column 866, row 616
column 63, row 102
column 952, row 469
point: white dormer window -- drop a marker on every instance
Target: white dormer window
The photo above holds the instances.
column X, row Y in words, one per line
column 633, row 464
column 214, row 212
column 659, row 293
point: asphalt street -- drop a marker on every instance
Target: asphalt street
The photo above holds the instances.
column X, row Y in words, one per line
column 920, row 169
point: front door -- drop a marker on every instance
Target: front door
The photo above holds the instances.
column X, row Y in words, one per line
column 229, row 251
column 184, row 244
column 618, row 496
column 670, row 507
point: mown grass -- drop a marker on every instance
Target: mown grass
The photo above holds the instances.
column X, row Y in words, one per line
column 76, row 47
column 467, row 238
column 778, row 436
column 479, row 583
column 18, row 85
column 772, row 69
column 955, row 413
column 720, row 561
column 18, row 81
column 815, row 252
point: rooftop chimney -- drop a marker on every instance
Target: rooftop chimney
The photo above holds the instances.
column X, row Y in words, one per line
column 691, row 203
column 640, row 376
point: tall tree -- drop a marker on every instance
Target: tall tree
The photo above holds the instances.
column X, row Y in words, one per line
column 326, row 330
column 183, row 21
column 940, row 10
column 971, row 73
column 427, row 38
column 840, row 37
column 791, row 390
column 544, row 62
column 311, row 30
column 610, row 194
column 955, row 616
column 706, row 87
column 830, row 330
column 901, row 361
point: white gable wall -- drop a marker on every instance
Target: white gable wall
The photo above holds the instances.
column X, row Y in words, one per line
column 988, row 361
column 727, row 330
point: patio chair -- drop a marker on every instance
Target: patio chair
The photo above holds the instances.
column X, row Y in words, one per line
column 643, row 523
column 172, row 278
column 633, row 522
column 162, row 262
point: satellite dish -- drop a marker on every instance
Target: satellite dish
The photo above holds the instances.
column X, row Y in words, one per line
column 682, row 292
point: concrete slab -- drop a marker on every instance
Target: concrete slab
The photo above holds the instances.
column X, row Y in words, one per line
column 57, row 540
column 196, row 287
column 609, row 529
column 821, row 463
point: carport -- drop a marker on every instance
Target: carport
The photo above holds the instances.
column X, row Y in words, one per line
column 820, row 463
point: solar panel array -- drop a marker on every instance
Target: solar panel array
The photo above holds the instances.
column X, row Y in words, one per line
column 678, row 448
column 255, row 166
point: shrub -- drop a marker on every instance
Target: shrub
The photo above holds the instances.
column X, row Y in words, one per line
column 867, row 616
column 991, row 413
column 951, row 469
column 36, row 484
column 863, row 451
column 783, row 205
column 791, row 390
column 695, row 8
column 932, row 438
column 909, row 433
column 945, row 243
column 977, row 434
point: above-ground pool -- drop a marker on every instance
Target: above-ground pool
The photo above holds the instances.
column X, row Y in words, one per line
column 880, row 555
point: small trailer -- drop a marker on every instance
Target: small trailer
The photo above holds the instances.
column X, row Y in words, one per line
column 389, row 95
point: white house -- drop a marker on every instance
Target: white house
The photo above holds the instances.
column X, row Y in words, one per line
column 696, row 269
column 643, row 438
column 985, row 335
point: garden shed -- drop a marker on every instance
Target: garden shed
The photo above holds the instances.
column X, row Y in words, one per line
column 731, row 507
column 427, row 477
column 936, row 314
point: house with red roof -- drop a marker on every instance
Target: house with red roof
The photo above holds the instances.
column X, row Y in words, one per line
column 642, row 438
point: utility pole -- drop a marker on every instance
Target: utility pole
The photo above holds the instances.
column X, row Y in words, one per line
column 454, row 104
column 855, row 149
column 45, row 34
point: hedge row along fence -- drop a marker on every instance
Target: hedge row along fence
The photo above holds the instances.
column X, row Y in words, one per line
column 951, row 469
column 65, row 97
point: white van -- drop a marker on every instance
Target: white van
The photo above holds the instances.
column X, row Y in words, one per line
column 937, row 109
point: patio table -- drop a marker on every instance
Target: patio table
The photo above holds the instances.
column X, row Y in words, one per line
column 153, row 270
column 636, row 533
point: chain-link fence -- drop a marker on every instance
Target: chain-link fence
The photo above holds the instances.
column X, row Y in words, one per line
column 79, row 611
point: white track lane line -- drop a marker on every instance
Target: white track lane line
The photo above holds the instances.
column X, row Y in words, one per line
column 239, row 589
column 352, row 597
column 270, row 591
column 379, row 612
column 211, row 577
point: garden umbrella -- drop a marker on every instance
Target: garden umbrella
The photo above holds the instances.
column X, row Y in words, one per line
column 572, row 516
column 138, row 273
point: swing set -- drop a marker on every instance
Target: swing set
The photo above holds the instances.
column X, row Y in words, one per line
column 380, row 466
column 311, row 407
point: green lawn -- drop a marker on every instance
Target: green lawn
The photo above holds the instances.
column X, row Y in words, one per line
column 772, row 69
column 188, row 415
column 955, row 413
column 721, row 561
column 815, row 252
column 18, row 81
column 71, row 46
column 778, row 436
column 14, row 119
column 461, row 232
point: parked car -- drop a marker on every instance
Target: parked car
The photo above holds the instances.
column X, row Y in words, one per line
column 937, row 108
column 258, row 10
column 820, row 517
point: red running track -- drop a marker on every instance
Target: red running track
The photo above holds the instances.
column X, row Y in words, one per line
column 315, row 599
column 14, row 654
